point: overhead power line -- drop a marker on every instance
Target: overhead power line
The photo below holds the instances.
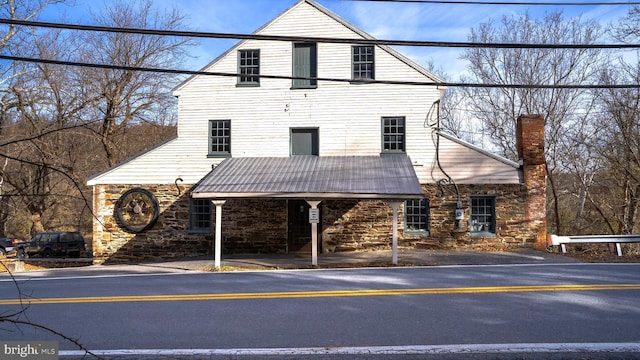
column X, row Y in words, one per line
column 388, row 82
column 215, row 35
column 517, row 3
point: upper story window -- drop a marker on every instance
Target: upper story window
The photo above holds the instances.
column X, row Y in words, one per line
column 363, row 62
column 483, row 216
column 305, row 65
column 393, row 134
column 305, row 141
column 416, row 217
column 249, row 68
column 199, row 215
column 219, row 138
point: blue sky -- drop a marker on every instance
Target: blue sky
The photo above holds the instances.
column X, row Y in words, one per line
column 384, row 20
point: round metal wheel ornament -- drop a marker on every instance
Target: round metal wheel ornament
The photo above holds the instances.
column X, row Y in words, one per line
column 137, row 210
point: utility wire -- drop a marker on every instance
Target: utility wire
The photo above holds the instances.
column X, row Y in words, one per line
column 215, row 35
column 517, row 3
column 387, row 82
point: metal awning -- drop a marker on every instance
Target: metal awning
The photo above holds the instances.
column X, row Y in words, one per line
column 321, row 177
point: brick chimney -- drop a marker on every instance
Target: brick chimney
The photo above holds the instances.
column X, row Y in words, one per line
column 530, row 143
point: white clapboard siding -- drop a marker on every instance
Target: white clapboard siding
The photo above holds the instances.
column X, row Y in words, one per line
column 347, row 115
column 466, row 164
column 177, row 158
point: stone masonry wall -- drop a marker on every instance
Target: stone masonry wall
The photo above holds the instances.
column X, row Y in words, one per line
column 254, row 225
column 168, row 238
column 510, row 204
column 352, row 225
column 260, row 225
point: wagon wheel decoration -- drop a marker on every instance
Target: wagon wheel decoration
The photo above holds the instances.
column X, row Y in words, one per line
column 137, row 210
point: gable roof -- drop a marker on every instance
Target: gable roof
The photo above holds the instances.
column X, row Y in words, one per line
column 337, row 18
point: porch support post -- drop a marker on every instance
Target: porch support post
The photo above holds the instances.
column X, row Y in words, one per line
column 314, row 234
column 218, row 242
column 395, row 205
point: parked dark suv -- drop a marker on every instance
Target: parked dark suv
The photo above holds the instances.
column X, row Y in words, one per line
column 50, row 244
column 6, row 245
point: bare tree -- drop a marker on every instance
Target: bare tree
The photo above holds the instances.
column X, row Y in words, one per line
column 610, row 194
column 4, row 201
column 128, row 97
column 618, row 144
column 18, row 104
column 563, row 109
column 628, row 28
column 50, row 104
column 13, row 40
column 57, row 110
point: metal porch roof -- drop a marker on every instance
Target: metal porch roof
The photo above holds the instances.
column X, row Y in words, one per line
column 337, row 177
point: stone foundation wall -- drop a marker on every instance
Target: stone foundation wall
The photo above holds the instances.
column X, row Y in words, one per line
column 168, row 238
column 254, row 226
column 351, row 225
column 510, row 204
column 260, row 226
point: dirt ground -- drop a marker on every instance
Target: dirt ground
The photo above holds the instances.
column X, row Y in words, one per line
column 604, row 253
column 40, row 265
column 591, row 253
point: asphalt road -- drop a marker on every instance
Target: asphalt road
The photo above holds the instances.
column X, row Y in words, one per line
column 494, row 312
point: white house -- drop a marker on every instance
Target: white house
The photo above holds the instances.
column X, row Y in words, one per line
column 305, row 123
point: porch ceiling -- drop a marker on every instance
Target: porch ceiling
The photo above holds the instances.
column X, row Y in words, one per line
column 329, row 177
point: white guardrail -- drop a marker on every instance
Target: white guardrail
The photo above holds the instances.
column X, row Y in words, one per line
column 592, row 239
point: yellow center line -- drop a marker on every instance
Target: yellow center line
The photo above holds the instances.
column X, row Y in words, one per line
column 318, row 294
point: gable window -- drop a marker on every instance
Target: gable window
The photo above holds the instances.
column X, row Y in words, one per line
column 416, row 217
column 482, row 220
column 199, row 216
column 249, row 68
column 362, row 63
column 305, row 141
column 219, row 138
column 393, row 134
column 305, row 65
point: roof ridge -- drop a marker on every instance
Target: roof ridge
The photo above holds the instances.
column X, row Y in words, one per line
column 403, row 58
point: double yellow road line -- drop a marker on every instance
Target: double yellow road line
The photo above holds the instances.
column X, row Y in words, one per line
column 319, row 294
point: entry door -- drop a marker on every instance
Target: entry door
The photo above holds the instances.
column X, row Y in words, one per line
column 299, row 227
